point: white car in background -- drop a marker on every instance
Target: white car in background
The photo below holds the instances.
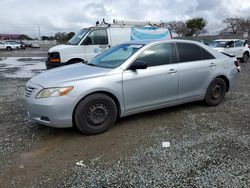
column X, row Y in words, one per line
column 10, row 45
column 237, row 47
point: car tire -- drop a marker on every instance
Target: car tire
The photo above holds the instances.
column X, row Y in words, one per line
column 245, row 57
column 216, row 92
column 8, row 48
column 95, row 114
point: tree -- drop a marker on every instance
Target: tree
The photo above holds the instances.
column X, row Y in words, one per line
column 70, row 35
column 25, row 37
column 178, row 27
column 61, row 37
column 45, row 38
column 236, row 25
column 195, row 26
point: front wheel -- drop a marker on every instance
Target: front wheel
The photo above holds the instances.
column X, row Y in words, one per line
column 95, row 114
column 216, row 92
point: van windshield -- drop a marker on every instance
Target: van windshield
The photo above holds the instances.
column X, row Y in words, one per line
column 115, row 56
column 78, row 37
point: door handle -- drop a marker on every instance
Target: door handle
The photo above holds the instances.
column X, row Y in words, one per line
column 212, row 65
column 172, row 71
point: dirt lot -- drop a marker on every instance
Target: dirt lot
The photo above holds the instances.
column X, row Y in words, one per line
column 209, row 146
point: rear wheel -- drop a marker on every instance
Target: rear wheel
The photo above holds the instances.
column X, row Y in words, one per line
column 95, row 114
column 9, row 48
column 216, row 92
column 245, row 57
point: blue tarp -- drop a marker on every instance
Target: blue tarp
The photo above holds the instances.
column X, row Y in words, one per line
column 149, row 33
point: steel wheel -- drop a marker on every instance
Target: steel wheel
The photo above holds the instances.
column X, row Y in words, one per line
column 95, row 114
column 216, row 92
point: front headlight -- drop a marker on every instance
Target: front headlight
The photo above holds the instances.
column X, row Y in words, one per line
column 54, row 92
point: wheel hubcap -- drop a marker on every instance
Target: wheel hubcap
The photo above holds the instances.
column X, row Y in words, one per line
column 216, row 92
column 97, row 114
column 245, row 58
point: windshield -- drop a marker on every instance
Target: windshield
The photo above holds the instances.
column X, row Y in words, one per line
column 219, row 44
column 115, row 56
column 78, row 37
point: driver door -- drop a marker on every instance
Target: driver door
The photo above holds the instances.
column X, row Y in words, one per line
column 95, row 43
column 155, row 86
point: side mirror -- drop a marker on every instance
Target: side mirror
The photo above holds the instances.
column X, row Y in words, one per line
column 87, row 41
column 138, row 65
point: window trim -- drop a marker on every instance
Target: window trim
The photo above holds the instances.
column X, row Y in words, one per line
column 178, row 54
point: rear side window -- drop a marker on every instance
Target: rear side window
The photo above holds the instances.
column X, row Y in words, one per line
column 191, row 52
column 206, row 54
column 160, row 54
column 239, row 43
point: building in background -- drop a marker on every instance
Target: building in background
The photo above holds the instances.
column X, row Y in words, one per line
column 10, row 36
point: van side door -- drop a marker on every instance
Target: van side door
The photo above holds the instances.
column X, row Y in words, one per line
column 95, row 43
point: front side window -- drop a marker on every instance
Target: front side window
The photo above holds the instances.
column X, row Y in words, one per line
column 160, row 54
column 97, row 37
column 115, row 56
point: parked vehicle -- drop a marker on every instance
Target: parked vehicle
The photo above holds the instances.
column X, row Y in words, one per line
column 34, row 45
column 2, row 45
column 237, row 47
column 23, row 46
column 129, row 78
column 9, row 45
column 89, row 42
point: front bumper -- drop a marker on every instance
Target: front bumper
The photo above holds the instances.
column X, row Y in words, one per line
column 53, row 111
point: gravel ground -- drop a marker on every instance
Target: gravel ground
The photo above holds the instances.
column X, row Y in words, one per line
column 209, row 146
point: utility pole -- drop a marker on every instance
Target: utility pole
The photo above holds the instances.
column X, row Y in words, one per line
column 39, row 32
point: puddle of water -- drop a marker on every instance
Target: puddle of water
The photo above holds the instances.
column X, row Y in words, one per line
column 14, row 67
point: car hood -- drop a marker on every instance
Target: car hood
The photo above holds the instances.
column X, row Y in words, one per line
column 61, row 47
column 60, row 76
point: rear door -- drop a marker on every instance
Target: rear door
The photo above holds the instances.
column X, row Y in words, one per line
column 195, row 69
column 157, row 85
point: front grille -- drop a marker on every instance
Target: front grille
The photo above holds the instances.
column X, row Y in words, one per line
column 29, row 90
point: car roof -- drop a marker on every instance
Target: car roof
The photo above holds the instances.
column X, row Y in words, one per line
column 229, row 39
column 151, row 41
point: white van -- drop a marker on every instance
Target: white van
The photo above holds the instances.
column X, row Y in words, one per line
column 89, row 42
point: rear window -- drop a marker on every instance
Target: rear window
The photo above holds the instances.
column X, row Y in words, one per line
column 191, row 52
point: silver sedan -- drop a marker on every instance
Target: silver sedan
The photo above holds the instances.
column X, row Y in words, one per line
column 129, row 78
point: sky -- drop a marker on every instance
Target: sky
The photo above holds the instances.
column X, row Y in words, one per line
column 24, row 16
